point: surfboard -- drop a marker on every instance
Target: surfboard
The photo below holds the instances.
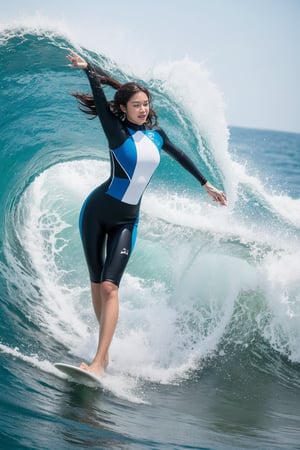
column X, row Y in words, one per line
column 78, row 375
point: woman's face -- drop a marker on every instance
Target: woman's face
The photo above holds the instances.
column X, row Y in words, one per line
column 137, row 108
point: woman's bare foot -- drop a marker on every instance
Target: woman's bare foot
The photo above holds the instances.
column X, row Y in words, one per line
column 95, row 368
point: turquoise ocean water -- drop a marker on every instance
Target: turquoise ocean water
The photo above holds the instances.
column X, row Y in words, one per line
column 207, row 349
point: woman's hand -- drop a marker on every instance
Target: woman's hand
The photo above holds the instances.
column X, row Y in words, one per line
column 76, row 61
column 218, row 196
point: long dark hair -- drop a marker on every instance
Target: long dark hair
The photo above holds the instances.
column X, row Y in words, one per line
column 122, row 96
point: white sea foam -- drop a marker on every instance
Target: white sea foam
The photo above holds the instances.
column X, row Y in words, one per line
column 169, row 321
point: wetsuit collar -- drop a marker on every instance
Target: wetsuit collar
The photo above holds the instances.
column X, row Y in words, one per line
column 133, row 126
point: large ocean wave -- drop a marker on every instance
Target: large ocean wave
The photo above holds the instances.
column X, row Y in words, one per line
column 204, row 282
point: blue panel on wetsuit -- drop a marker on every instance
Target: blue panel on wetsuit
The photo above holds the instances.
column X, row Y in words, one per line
column 155, row 137
column 118, row 187
column 126, row 156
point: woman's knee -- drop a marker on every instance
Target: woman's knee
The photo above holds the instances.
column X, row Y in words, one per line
column 108, row 289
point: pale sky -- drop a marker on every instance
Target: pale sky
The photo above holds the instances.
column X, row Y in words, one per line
column 250, row 47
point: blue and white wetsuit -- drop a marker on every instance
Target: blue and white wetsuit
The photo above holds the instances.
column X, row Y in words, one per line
column 109, row 215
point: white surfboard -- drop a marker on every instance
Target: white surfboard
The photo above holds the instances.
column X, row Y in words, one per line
column 78, row 375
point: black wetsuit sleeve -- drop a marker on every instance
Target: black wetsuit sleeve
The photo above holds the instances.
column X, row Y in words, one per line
column 111, row 124
column 177, row 154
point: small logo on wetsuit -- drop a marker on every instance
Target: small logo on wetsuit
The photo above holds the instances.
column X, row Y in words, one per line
column 124, row 251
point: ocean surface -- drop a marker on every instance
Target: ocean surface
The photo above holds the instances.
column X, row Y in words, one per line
column 207, row 350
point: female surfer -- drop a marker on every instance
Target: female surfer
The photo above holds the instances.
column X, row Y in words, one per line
column 109, row 216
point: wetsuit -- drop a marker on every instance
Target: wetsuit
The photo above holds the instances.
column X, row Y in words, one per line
column 109, row 216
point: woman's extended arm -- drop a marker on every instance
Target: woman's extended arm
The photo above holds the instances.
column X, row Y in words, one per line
column 110, row 123
column 187, row 163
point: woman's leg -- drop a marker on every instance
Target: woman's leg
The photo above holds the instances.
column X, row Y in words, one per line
column 97, row 304
column 96, row 298
column 106, row 306
column 105, row 294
